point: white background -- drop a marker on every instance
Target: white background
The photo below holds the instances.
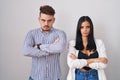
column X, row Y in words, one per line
column 17, row 17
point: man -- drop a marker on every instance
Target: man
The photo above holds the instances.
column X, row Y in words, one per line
column 44, row 45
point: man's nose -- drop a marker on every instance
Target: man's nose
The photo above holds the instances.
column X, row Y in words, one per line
column 46, row 23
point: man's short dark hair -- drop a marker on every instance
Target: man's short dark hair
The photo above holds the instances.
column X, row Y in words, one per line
column 46, row 9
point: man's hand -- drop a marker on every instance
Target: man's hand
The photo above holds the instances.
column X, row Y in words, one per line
column 57, row 40
column 35, row 46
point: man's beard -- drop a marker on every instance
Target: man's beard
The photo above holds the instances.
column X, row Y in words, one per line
column 46, row 28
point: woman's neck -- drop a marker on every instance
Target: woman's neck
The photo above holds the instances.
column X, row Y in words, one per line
column 85, row 42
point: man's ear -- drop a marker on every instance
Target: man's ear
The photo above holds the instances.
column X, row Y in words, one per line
column 54, row 19
column 39, row 18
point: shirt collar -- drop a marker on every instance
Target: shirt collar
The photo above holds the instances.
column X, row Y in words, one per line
column 51, row 30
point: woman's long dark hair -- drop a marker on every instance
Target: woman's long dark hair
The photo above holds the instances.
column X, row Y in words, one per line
column 91, row 42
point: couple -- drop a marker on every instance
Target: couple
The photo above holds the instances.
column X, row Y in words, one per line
column 86, row 56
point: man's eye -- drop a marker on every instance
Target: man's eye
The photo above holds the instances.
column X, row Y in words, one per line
column 43, row 20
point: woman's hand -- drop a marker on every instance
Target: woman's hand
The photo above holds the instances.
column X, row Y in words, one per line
column 73, row 56
column 103, row 60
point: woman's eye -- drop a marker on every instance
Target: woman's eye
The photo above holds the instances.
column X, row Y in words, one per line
column 88, row 26
column 81, row 27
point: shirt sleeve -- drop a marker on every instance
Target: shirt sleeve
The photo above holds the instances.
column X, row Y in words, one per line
column 77, row 63
column 99, row 65
column 28, row 49
column 102, row 53
column 55, row 47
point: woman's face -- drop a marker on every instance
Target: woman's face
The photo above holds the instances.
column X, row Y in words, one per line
column 85, row 29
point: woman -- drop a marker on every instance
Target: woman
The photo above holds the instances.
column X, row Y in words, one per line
column 86, row 56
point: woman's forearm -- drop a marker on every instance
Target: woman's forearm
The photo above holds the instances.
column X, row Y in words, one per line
column 102, row 59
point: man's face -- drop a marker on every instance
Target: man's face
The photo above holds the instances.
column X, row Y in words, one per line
column 46, row 21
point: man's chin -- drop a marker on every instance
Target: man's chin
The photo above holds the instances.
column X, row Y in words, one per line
column 46, row 30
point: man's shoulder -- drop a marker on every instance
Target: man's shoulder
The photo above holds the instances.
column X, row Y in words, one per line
column 59, row 31
column 34, row 30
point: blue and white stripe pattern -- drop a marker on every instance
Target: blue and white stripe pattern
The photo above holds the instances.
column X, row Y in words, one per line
column 46, row 61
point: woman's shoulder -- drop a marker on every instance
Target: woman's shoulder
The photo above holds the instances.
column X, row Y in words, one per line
column 98, row 40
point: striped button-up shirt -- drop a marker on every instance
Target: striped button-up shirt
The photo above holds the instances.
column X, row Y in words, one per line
column 46, row 60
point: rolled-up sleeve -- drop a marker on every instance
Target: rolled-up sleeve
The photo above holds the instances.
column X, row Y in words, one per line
column 102, row 53
column 56, row 47
column 28, row 49
column 77, row 63
column 97, row 65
